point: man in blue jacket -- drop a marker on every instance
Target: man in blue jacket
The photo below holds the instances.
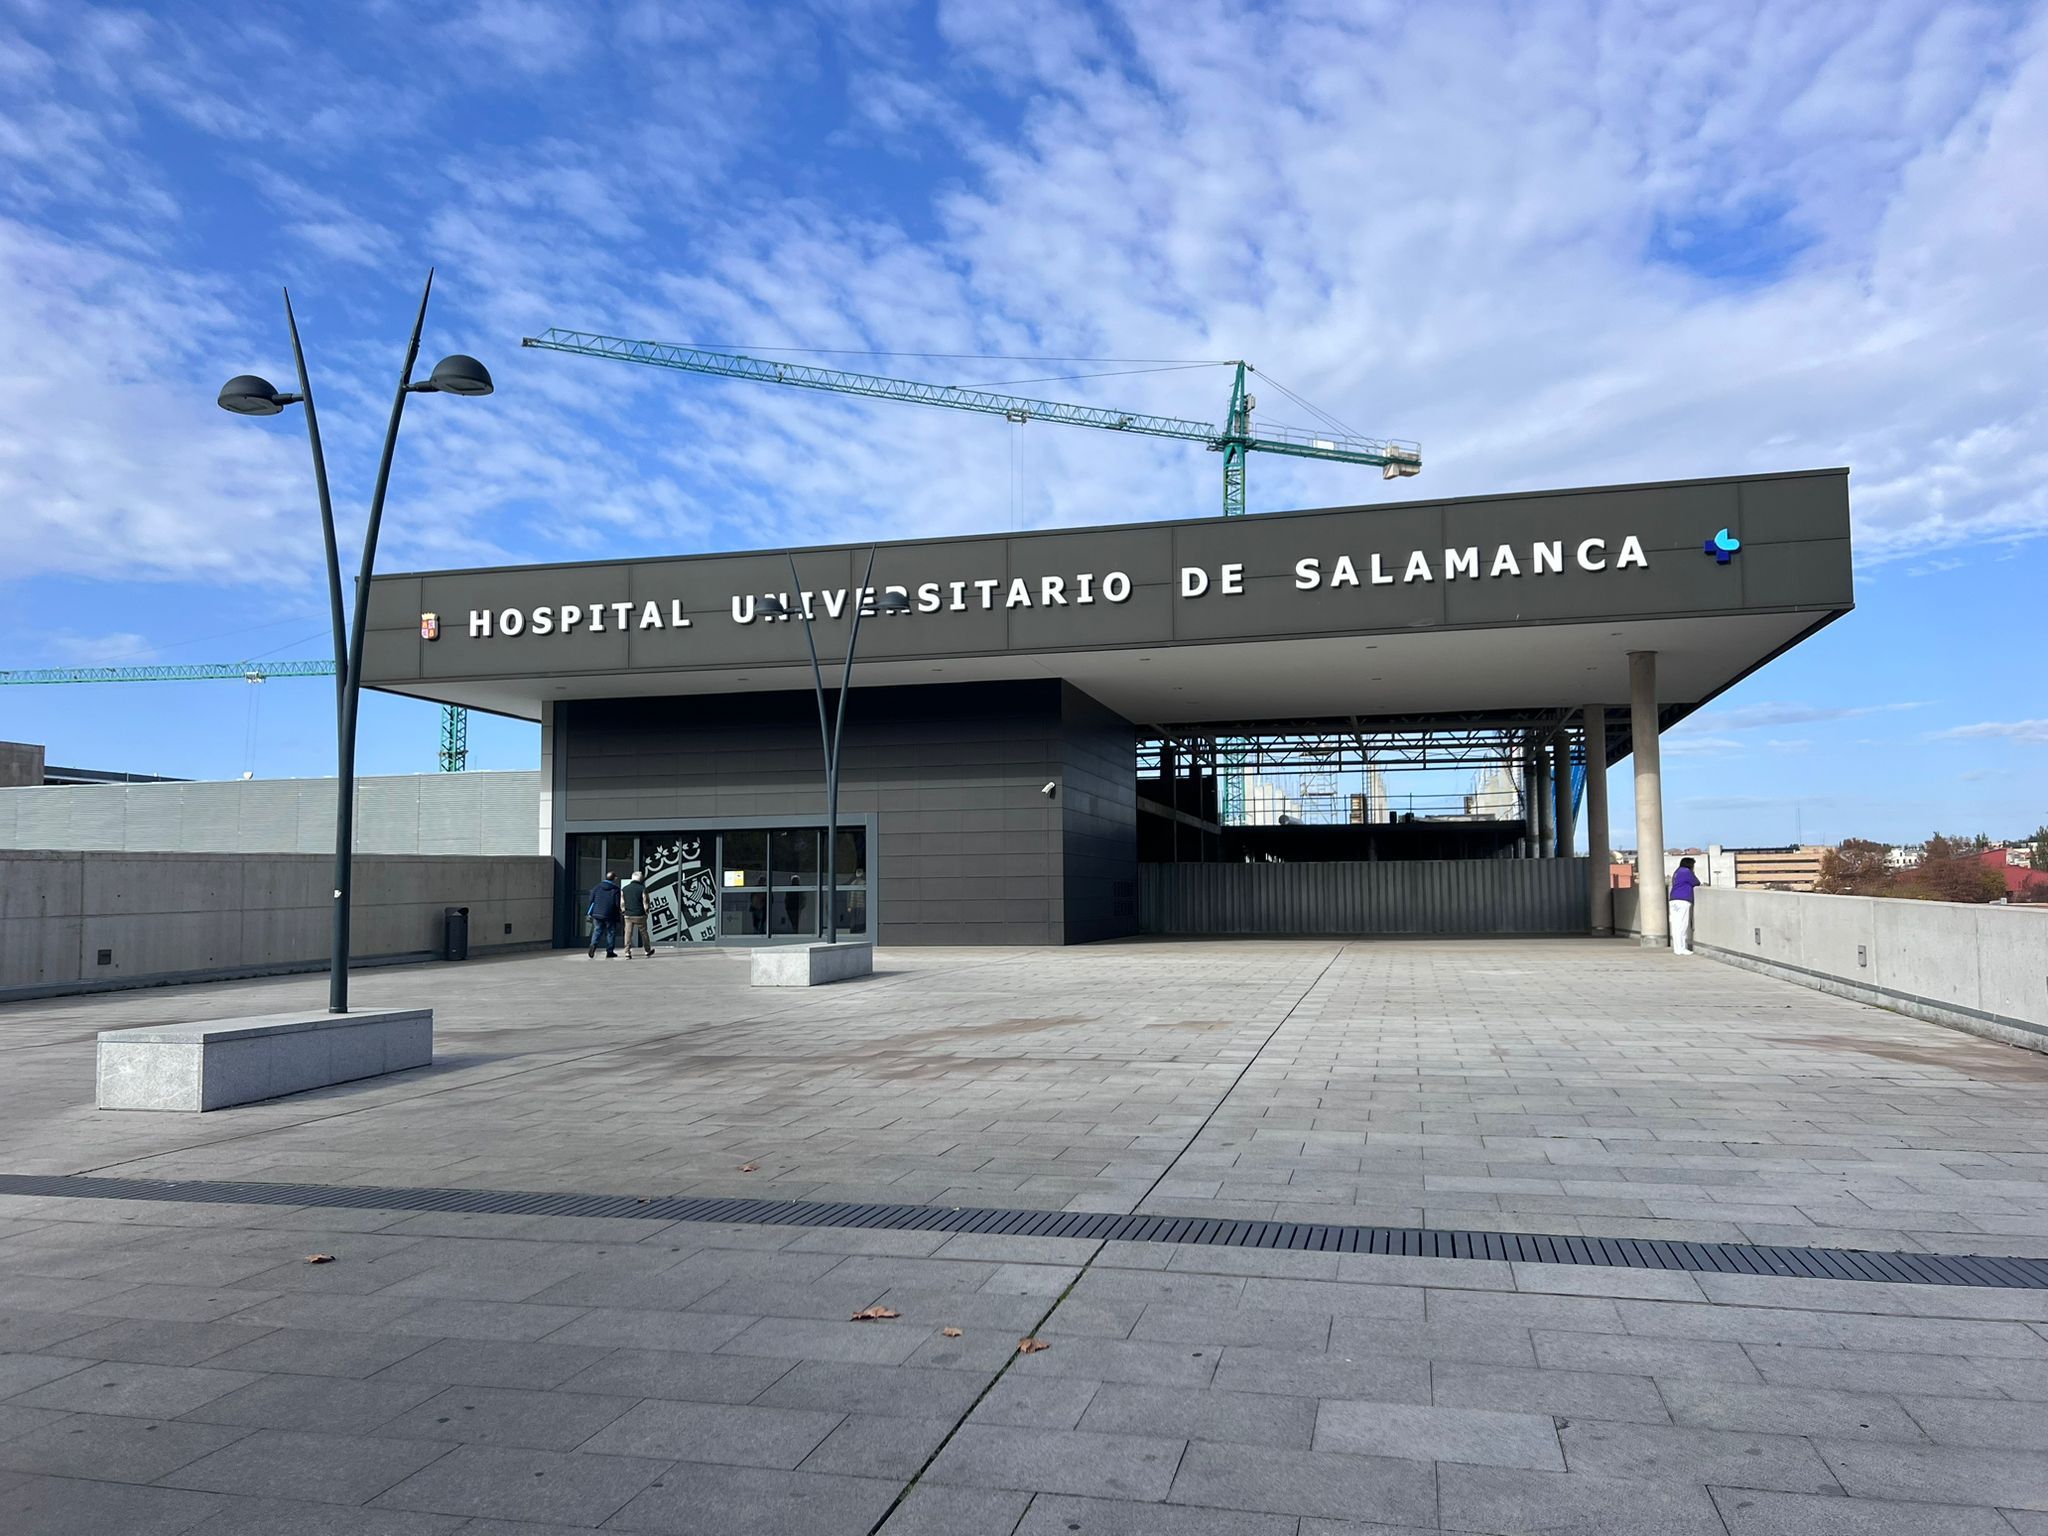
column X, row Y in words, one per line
column 1683, row 884
column 603, row 913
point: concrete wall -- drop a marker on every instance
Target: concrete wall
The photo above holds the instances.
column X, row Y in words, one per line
column 1979, row 968
column 168, row 916
column 21, row 762
column 490, row 814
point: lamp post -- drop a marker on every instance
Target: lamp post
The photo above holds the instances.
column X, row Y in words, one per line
column 830, row 735
column 247, row 394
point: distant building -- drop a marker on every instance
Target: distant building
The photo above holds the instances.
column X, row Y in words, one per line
column 2020, row 879
column 1790, row 868
column 1372, row 805
column 2020, row 855
column 1266, row 804
column 1904, row 856
column 24, row 765
column 1495, row 796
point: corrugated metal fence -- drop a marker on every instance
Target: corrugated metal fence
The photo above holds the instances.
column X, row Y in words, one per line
column 1424, row 896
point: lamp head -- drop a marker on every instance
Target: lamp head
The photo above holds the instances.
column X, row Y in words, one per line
column 892, row 602
column 460, row 374
column 248, row 395
column 771, row 608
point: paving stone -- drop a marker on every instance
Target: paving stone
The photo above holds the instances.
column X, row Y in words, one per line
column 26, row 1332
column 1241, row 1477
column 1058, row 1461
column 552, row 1421
column 62, row 1506
column 1595, row 1280
column 1505, row 1502
column 1571, row 1394
column 1484, row 1437
column 1518, row 1309
column 325, row 1468
column 337, row 1405
column 124, row 1387
column 1334, row 1298
column 680, row 1376
column 892, row 1391
column 1242, row 1418
column 1296, row 1373
column 24, row 1373
column 149, row 1341
column 293, row 1517
column 1722, row 1457
column 1052, row 1515
column 1942, row 1474
column 749, row 1501
column 1754, row 1512
column 319, row 1352
column 633, row 1328
column 1139, row 1361
column 1237, row 1325
column 495, row 1363
column 878, row 1445
column 500, row 1482
column 1684, row 1359
column 1478, row 1343
column 1036, row 1402
column 117, row 1449
column 929, row 1510
column 726, row 1433
column 886, row 1343
column 1856, row 1371
column 1797, row 1411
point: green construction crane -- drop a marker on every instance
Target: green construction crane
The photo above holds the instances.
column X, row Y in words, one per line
column 1234, row 440
column 454, row 718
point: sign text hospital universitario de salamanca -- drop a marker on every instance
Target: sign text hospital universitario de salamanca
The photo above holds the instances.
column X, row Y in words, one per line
column 1311, row 573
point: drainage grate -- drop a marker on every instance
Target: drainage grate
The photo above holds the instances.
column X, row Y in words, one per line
column 1303, row 1236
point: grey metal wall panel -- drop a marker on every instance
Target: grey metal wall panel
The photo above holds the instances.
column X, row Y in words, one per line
column 151, row 822
column 1438, row 896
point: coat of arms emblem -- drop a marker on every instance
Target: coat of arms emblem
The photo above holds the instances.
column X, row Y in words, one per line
column 430, row 626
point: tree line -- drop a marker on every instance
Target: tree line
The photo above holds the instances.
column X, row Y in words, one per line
column 1949, row 870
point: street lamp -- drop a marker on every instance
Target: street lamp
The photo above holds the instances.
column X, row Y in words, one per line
column 830, row 736
column 247, row 394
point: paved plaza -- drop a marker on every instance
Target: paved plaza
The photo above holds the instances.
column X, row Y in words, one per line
column 173, row 1368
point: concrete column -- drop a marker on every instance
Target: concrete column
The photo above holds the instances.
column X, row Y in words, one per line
column 1546, row 804
column 1561, row 790
column 1649, row 766
column 1599, row 880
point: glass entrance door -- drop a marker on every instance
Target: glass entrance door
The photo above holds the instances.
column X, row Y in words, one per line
column 744, row 886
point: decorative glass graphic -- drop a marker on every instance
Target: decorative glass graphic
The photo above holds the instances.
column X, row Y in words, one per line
column 682, row 898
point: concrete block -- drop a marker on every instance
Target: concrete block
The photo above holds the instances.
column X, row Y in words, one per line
column 812, row 965
column 214, row 1064
column 1925, row 949
column 2012, row 962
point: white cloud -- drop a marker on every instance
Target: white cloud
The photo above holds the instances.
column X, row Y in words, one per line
column 1558, row 246
column 2033, row 732
column 1750, row 716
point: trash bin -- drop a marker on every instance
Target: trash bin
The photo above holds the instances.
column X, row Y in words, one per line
column 455, row 933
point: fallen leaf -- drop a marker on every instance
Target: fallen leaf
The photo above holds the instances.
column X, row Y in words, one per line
column 874, row 1314
column 319, row 1258
column 1031, row 1346
column 951, row 1333
column 749, row 1167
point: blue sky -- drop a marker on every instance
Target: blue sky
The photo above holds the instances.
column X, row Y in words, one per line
column 1558, row 244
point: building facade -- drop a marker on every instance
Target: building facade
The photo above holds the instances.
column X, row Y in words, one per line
column 1033, row 715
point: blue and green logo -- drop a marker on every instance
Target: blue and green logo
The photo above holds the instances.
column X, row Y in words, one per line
column 1722, row 547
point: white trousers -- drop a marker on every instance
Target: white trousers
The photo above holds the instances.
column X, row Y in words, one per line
column 1681, row 927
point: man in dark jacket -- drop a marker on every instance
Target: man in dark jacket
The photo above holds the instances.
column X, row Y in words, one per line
column 603, row 913
column 633, row 899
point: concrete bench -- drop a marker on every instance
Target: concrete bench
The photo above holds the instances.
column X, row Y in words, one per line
column 811, row 965
column 218, row 1062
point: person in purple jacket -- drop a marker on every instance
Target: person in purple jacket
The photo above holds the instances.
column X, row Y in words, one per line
column 1683, row 884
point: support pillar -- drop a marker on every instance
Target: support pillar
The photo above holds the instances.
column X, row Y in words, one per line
column 1529, row 798
column 1599, row 858
column 1653, row 916
column 1561, row 792
column 1546, row 805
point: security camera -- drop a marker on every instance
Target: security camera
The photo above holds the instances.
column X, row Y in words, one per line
column 1048, row 789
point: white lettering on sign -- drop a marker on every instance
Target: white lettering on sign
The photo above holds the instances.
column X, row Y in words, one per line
column 1312, row 573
